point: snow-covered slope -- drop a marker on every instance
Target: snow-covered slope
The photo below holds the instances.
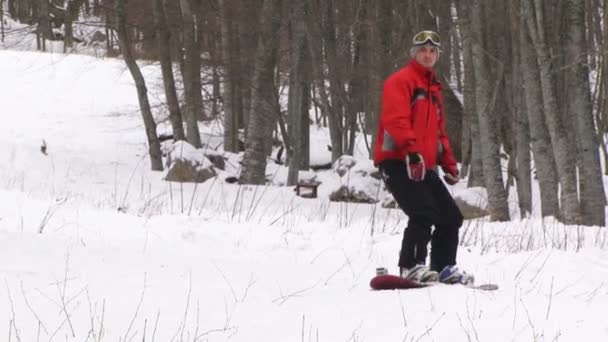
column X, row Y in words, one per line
column 94, row 246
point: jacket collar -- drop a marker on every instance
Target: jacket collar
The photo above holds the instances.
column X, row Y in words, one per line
column 426, row 73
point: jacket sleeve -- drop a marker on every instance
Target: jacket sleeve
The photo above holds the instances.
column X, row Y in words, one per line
column 448, row 162
column 396, row 113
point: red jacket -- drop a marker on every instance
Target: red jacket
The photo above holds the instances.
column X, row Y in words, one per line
column 412, row 119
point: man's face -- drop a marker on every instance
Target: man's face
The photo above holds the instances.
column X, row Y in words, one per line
column 427, row 56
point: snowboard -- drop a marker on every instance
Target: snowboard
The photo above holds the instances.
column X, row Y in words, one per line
column 394, row 282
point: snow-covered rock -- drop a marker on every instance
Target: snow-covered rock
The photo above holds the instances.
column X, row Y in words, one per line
column 344, row 164
column 359, row 181
column 187, row 164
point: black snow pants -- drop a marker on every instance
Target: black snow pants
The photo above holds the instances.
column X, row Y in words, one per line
column 426, row 203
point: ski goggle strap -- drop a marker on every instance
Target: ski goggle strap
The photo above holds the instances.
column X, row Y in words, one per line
column 424, row 37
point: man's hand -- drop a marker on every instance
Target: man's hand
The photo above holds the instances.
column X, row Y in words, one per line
column 451, row 177
column 415, row 167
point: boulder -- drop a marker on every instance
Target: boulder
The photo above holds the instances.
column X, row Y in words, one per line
column 344, row 164
column 347, row 193
column 187, row 164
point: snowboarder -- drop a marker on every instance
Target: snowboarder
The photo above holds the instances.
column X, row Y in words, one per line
column 411, row 144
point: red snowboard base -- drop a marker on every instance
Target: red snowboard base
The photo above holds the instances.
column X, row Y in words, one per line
column 393, row 282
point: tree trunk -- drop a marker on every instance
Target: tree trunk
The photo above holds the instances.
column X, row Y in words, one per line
column 262, row 118
column 44, row 23
column 329, row 113
column 563, row 150
column 191, row 75
column 471, row 143
column 454, row 117
column 298, row 102
column 380, row 63
column 541, row 141
column 497, row 196
column 164, row 54
column 521, row 126
column 229, row 54
column 71, row 15
column 602, row 117
column 336, row 111
column 1, row 21
column 11, row 8
column 96, row 8
column 249, row 31
column 140, row 83
column 173, row 13
column 592, row 196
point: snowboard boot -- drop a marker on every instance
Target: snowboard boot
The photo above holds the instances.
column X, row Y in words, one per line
column 419, row 273
column 451, row 274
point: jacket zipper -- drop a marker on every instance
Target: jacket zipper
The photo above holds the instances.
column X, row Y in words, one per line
column 428, row 108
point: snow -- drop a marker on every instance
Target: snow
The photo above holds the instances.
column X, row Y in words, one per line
column 95, row 246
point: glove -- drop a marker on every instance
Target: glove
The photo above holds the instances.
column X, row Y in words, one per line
column 451, row 176
column 415, row 166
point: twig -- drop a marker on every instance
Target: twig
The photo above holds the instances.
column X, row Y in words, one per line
column 91, row 315
column 402, row 309
column 10, row 298
column 198, row 317
column 65, row 311
column 141, row 299
column 431, row 327
column 550, row 299
column 145, row 325
column 252, row 281
column 103, row 313
column 542, row 266
column 155, row 325
column 336, row 272
column 227, row 282
column 187, row 306
column 27, row 303
column 303, row 326
column 283, row 298
column 466, row 331
column 50, row 212
column 206, row 196
column 471, row 322
column 526, row 263
column 62, row 294
column 529, row 319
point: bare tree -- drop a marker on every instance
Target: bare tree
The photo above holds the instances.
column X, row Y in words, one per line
column 299, row 94
column 44, row 24
column 592, row 196
column 497, row 196
column 471, row 146
column 259, row 133
column 140, row 83
column 541, row 141
column 230, row 89
column 2, row 21
column 164, row 54
column 191, row 74
column 71, row 14
column 563, row 150
column 521, row 122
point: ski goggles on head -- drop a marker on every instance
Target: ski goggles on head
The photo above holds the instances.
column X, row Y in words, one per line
column 424, row 37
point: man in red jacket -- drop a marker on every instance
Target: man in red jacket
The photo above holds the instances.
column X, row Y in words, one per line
column 411, row 144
